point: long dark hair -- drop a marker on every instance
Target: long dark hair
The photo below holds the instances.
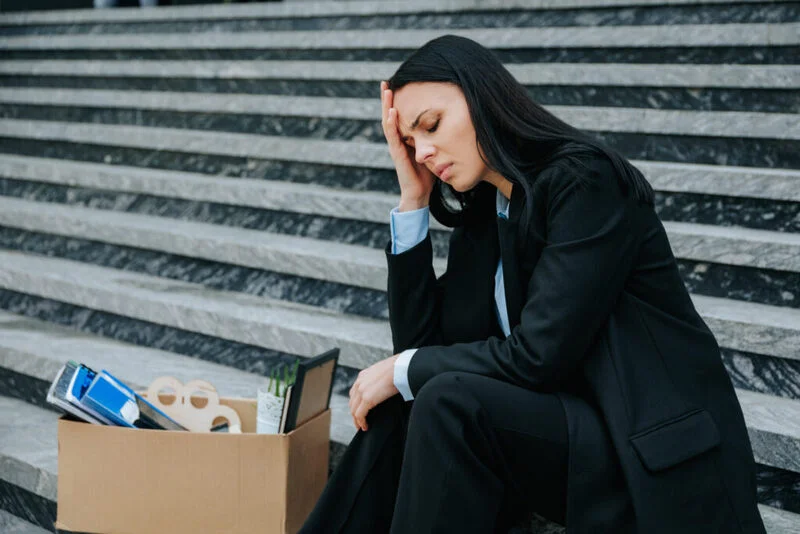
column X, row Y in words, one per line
column 517, row 136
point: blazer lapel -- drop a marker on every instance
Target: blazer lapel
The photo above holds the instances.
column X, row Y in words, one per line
column 507, row 235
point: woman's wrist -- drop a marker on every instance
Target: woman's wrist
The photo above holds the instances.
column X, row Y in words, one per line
column 413, row 203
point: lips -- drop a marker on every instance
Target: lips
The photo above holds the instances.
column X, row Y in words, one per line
column 440, row 169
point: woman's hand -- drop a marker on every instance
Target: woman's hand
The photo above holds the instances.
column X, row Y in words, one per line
column 416, row 180
column 374, row 385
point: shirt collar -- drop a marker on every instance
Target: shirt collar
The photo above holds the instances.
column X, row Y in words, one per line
column 502, row 204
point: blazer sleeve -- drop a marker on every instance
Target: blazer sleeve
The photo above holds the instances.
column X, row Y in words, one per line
column 590, row 250
column 414, row 297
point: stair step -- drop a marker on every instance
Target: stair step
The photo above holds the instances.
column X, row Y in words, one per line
column 591, row 118
column 308, row 330
column 609, row 74
column 772, row 184
column 301, row 150
column 369, row 155
column 774, row 427
column 648, row 36
column 11, row 524
column 302, row 256
column 317, row 9
column 338, row 262
column 278, row 325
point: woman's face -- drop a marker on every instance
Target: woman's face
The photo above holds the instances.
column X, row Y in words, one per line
column 434, row 120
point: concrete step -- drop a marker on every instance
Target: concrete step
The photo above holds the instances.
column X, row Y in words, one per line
column 359, row 155
column 307, row 330
column 28, row 452
column 726, row 181
column 273, row 324
column 313, row 258
column 11, row 524
column 342, row 263
column 568, row 74
column 774, row 427
column 549, row 84
column 742, row 124
column 648, row 36
column 330, row 9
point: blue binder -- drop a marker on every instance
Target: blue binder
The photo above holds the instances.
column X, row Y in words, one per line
column 117, row 402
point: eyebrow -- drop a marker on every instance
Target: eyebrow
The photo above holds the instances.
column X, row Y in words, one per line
column 415, row 123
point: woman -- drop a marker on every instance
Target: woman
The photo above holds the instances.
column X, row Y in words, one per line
column 559, row 365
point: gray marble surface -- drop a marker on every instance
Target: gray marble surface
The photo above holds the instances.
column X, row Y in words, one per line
column 562, row 74
column 306, row 330
column 764, row 100
column 278, row 325
column 668, row 146
column 735, row 246
column 336, row 262
column 425, row 17
column 598, row 36
column 11, row 524
column 608, row 119
column 226, row 144
column 777, row 521
column 363, row 205
column 701, row 55
column 751, row 327
column 343, row 263
column 321, row 8
column 28, row 447
column 374, row 155
column 774, row 427
column 769, row 375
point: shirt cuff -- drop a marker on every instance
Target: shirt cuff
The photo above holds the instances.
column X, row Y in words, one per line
column 409, row 228
column 401, row 374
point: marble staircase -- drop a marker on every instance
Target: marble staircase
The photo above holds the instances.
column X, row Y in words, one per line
column 204, row 192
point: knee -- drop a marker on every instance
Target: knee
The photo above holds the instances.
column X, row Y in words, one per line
column 443, row 393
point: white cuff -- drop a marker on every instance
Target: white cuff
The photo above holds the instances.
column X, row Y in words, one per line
column 409, row 228
column 401, row 374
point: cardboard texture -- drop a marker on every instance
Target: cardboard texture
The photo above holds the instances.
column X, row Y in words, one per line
column 131, row 481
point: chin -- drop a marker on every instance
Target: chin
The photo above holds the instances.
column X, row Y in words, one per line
column 462, row 187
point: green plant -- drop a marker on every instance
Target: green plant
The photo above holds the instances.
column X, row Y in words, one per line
column 281, row 386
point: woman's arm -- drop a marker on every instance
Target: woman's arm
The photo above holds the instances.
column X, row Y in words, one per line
column 414, row 296
column 592, row 244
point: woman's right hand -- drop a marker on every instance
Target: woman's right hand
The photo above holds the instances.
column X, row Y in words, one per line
column 416, row 180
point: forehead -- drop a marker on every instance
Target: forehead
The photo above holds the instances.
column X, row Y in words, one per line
column 414, row 98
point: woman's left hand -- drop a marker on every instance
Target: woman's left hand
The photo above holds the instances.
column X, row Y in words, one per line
column 374, row 385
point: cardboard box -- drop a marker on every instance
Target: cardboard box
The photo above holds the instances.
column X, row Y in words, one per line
column 115, row 480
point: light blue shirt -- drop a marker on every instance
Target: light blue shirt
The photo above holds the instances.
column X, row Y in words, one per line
column 409, row 228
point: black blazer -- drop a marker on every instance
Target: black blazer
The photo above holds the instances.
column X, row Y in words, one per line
column 598, row 311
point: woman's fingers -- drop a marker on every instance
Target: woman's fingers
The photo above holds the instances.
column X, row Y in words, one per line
column 354, row 403
column 358, row 407
column 361, row 416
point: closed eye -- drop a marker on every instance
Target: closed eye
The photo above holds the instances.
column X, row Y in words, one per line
column 429, row 130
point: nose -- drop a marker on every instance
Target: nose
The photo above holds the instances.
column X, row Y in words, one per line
column 423, row 151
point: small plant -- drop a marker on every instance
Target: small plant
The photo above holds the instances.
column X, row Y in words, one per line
column 279, row 386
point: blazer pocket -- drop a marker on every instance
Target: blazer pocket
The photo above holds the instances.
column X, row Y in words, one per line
column 676, row 440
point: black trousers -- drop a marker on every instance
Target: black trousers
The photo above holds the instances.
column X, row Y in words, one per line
column 470, row 454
